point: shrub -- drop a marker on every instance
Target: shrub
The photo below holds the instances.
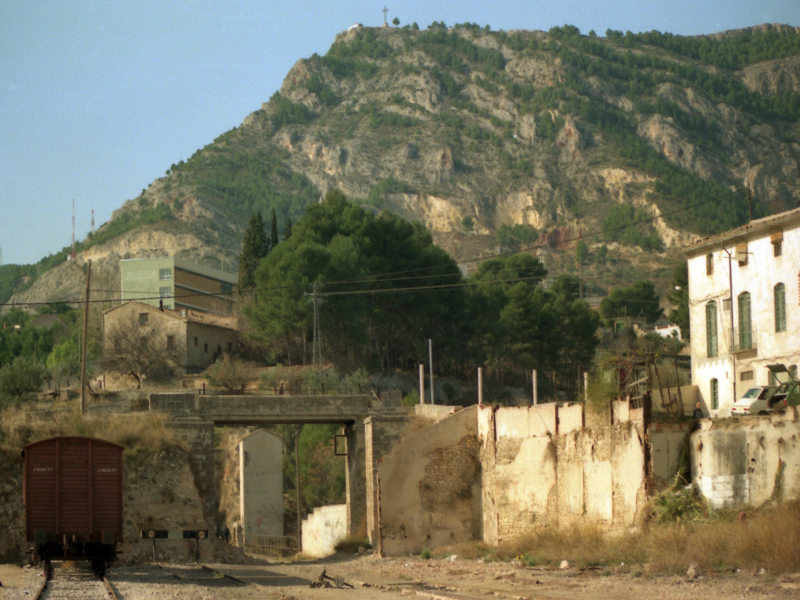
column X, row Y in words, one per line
column 20, row 379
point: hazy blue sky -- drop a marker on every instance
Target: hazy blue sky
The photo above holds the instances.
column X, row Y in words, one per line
column 99, row 98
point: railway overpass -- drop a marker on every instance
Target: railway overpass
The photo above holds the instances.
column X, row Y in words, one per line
column 372, row 426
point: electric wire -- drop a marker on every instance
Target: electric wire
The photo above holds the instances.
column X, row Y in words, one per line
column 381, row 278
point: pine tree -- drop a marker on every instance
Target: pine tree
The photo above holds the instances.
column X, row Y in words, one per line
column 274, row 230
column 255, row 246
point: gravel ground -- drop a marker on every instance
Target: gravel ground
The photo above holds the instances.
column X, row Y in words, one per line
column 384, row 579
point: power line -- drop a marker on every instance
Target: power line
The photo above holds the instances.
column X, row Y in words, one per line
column 389, row 277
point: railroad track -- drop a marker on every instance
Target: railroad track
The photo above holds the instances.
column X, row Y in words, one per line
column 75, row 583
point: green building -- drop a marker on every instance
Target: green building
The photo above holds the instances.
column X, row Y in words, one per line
column 177, row 284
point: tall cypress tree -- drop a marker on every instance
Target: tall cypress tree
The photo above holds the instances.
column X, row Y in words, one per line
column 274, row 230
column 255, row 246
column 287, row 231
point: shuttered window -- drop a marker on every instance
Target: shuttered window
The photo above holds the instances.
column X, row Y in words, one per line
column 711, row 330
column 715, row 394
column 780, row 307
column 745, row 322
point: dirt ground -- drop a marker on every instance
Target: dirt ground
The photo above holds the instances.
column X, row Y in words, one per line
column 373, row 578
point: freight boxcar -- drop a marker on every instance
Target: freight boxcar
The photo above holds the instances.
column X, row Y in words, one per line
column 72, row 490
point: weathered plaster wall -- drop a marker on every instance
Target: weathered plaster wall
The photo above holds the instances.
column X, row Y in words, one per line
column 430, row 487
column 540, row 468
column 748, row 461
column 323, row 529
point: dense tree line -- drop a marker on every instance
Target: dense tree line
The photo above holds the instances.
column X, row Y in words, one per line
column 387, row 289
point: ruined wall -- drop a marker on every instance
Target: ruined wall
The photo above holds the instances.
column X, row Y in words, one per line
column 748, row 461
column 323, row 529
column 429, row 491
column 542, row 468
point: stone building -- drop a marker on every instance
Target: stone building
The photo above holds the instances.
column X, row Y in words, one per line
column 198, row 339
column 744, row 309
column 177, row 284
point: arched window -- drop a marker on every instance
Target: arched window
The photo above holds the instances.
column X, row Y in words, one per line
column 712, row 348
column 780, row 308
column 745, row 323
column 715, row 394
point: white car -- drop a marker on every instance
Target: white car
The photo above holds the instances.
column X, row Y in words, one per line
column 754, row 402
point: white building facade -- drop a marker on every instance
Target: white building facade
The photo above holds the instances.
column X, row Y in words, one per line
column 744, row 308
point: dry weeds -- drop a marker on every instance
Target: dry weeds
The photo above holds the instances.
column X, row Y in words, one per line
column 139, row 433
column 768, row 538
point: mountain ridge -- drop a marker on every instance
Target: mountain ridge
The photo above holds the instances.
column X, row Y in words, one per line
column 555, row 135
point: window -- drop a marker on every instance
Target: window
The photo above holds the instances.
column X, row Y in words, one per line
column 709, row 264
column 712, row 348
column 226, row 288
column 746, row 376
column 195, row 340
column 163, row 292
column 715, row 394
column 143, row 317
column 741, row 254
column 780, row 308
column 205, row 347
column 165, row 273
column 230, row 347
column 170, row 342
column 745, row 324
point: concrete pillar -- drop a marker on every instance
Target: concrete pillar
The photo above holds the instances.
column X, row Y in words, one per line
column 381, row 436
column 356, row 480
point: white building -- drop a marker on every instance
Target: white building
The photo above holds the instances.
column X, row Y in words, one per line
column 758, row 266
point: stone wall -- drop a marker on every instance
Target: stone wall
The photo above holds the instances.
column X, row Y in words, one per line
column 429, row 491
column 323, row 529
column 748, row 461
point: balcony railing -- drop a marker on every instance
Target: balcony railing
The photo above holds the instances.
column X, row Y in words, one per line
column 743, row 340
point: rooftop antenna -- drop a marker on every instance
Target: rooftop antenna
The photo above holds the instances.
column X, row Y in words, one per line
column 384, row 11
column 72, row 254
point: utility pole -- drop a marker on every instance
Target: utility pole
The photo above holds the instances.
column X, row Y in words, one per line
column 85, row 330
column 316, row 351
column 297, row 490
column 430, row 361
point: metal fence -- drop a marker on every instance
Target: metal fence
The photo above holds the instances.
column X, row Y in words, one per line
column 268, row 545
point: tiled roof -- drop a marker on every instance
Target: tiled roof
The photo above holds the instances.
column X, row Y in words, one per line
column 743, row 232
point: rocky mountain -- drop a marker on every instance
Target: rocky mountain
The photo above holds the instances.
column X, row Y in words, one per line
column 496, row 141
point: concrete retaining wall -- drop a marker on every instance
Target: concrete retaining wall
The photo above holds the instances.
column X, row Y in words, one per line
column 323, row 529
column 748, row 461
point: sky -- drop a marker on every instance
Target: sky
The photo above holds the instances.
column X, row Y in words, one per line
column 99, row 98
